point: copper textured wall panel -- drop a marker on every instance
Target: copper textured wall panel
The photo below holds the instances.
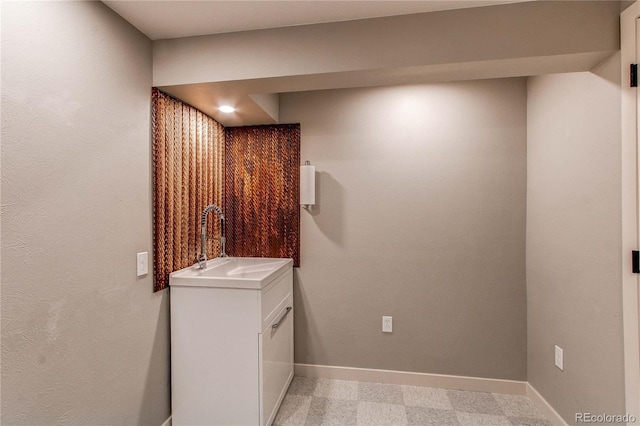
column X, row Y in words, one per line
column 262, row 191
column 188, row 152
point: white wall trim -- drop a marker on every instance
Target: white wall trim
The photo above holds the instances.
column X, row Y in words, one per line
column 629, row 213
column 479, row 384
column 541, row 404
column 167, row 422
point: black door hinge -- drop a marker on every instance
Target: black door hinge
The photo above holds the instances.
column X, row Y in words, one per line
column 633, row 74
column 635, row 264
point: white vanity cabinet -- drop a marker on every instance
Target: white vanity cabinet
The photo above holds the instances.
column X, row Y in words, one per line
column 231, row 348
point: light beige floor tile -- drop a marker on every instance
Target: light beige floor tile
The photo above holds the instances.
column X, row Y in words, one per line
column 517, row 406
column 336, row 389
column 474, row 402
column 475, row 419
column 302, row 386
column 380, row 392
column 424, row 416
column 379, row 414
column 332, row 412
column 418, row 396
column 293, row 410
column 311, row 401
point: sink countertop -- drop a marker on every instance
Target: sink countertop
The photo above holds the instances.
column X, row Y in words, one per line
column 232, row 272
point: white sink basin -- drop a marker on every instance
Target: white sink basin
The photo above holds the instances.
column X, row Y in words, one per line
column 232, row 272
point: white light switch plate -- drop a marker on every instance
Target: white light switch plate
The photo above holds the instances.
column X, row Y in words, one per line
column 142, row 263
column 559, row 358
column 387, row 324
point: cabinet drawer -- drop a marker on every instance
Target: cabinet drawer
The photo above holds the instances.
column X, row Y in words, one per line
column 274, row 298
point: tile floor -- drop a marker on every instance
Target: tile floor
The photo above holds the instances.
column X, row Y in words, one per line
column 338, row 402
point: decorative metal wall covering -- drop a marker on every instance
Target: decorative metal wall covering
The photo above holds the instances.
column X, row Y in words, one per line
column 262, row 191
column 188, row 152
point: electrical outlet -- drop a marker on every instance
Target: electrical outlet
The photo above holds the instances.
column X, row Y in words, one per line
column 559, row 358
column 142, row 263
column 387, row 324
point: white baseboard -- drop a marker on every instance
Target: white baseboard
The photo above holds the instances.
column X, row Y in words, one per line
column 513, row 387
column 546, row 408
column 167, row 422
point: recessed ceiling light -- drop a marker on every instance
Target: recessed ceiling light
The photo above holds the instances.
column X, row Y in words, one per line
column 227, row 108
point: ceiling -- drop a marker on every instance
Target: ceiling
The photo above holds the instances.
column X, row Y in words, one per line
column 256, row 101
column 185, row 18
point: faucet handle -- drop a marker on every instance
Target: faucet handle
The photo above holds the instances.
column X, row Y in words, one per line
column 201, row 262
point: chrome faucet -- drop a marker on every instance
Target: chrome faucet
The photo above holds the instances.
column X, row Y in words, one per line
column 202, row 260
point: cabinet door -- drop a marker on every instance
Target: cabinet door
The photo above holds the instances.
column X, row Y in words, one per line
column 214, row 356
column 276, row 368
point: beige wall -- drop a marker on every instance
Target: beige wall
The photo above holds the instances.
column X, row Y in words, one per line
column 573, row 240
column 83, row 340
column 420, row 215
